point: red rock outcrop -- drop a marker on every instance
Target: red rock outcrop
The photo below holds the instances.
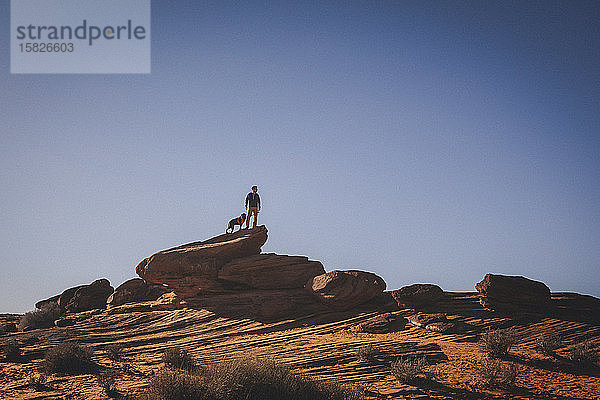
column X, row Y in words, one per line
column 513, row 293
column 346, row 289
column 418, row 294
column 136, row 290
column 90, row 296
column 229, row 274
column 193, row 268
column 271, row 271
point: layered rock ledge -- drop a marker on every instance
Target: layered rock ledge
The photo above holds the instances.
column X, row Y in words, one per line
column 228, row 273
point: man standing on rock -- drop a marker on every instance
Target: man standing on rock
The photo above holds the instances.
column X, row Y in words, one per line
column 253, row 206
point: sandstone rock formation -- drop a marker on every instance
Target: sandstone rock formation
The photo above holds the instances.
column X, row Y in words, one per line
column 136, row 290
column 433, row 322
column 271, row 271
column 346, row 289
column 193, row 268
column 90, row 296
column 229, row 274
column 66, row 296
column 419, row 294
column 384, row 323
column 513, row 293
column 80, row 298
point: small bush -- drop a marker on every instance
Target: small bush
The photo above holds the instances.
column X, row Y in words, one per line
column 583, row 354
column 38, row 382
column 107, row 381
column 494, row 373
column 248, row 379
column 178, row 358
column 497, row 343
column 69, row 358
column 8, row 327
column 42, row 318
column 547, row 343
column 11, row 351
column 406, row 370
column 114, row 352
column 366, row 353
column 176, row 385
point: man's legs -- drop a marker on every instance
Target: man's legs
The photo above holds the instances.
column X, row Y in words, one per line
column 252, row 210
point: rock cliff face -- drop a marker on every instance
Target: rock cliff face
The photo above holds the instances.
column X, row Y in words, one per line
column 229, row 274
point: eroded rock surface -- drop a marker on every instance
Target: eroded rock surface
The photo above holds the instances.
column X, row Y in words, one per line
column 90, row 296
column 418, row 294
column 346, row 289
column 513, row 293
column 193, row 268
column 271, row 271
column 136, row 290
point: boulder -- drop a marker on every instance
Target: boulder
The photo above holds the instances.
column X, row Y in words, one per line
column 168, row 301
column 433, row 322
column 418, row 294
column 512, row 293
column 384, row 323
column 136, row 290
column 345, row 289
column 48, row 302
column 66, row 296
column 422, row 320
column 90, row 296
column 193, row 268
column 271, row 271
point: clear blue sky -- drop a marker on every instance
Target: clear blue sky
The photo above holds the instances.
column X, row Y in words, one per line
column 423, row 141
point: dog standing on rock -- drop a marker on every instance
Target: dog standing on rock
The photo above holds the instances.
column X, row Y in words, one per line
column 236, row 221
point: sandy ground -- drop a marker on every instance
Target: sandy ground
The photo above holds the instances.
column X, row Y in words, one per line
column 324, row 347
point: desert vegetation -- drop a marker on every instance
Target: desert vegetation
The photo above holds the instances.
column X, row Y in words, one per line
column 69, row 358
column 497, row 343
column 407, row 370
column 243, row 379
column 178, row 358
column 583, row 355
column 11, row 351
column 42, row 318
column 548, row 343
column 495, row 373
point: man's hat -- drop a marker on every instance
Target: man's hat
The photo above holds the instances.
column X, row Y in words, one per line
column 255, row 187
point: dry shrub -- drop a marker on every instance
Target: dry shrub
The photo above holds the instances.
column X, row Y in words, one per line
column 42, row 318
column 107, row 381
column 497, row 343
column 246, row 379
column 366, row 353
column 69, row 358
column 114, row 352
column 583, row 354
column 176, row 385
column 11, row 351
column 494, row 373
column 406, row 370
column 178, row 358
column 38, row 382
column 547, row 343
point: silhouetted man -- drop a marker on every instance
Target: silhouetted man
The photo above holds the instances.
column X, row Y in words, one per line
column 253, row 206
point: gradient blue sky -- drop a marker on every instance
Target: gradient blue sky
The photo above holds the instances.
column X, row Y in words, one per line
column 423, row 141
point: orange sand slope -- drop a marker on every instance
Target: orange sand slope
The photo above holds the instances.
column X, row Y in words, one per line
column 324, row 347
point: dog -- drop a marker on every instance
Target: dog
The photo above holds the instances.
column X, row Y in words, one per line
column 236, row 221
